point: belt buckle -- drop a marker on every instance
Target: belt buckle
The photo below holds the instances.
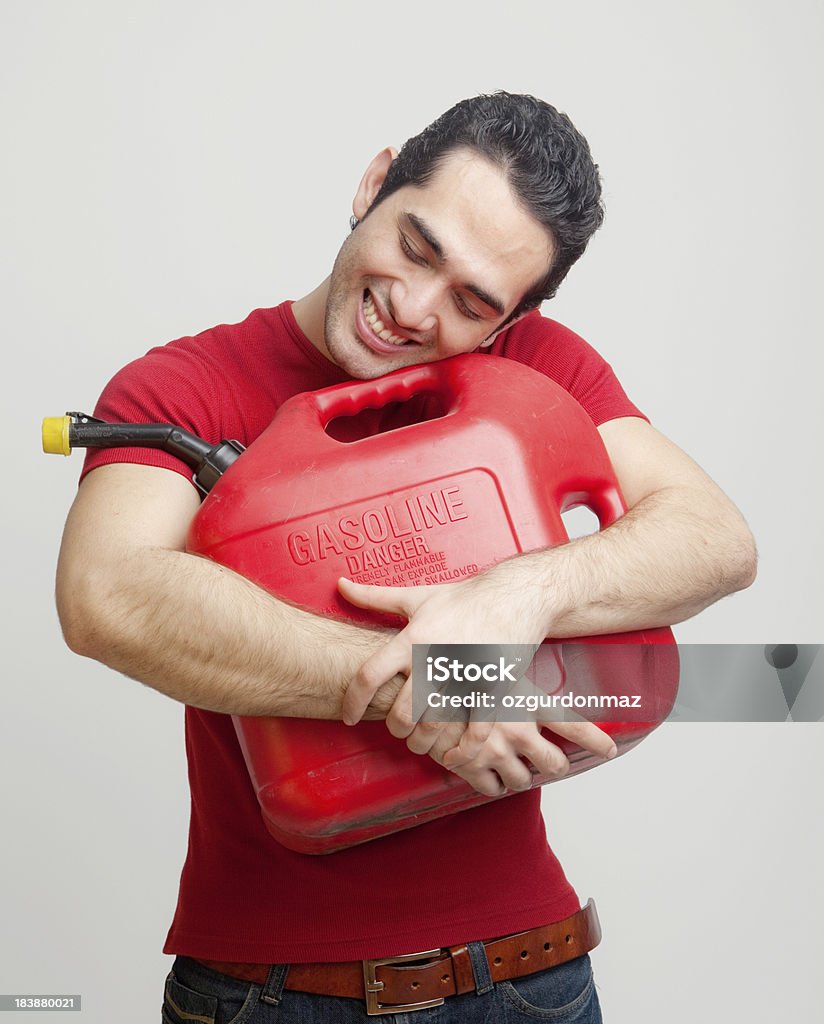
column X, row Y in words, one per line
column 373, row 987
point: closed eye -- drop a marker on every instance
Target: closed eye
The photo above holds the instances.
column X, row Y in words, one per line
column 466, row 310
column 418, row 258
column 412, row 253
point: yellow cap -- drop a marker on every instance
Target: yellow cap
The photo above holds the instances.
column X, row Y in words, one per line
column 56, row 435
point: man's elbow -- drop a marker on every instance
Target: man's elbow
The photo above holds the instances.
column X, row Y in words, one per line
column 751, row 563
column 79, row 633
column 81, row 610
column 741, row 564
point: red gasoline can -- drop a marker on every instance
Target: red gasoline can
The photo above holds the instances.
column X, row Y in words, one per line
column 426, row 475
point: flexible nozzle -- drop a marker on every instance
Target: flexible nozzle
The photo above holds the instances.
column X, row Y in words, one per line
column 79, row 430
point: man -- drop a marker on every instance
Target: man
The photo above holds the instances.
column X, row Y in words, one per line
column 456, row 242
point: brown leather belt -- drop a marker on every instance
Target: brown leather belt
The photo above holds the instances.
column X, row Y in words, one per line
column 415, row 981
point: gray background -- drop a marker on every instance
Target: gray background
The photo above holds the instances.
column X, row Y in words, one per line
column 168, row 166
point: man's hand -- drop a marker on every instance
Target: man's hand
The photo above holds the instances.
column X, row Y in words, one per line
column 491, row 756
column 494, row 606
column 681, row 546
column 513, row 755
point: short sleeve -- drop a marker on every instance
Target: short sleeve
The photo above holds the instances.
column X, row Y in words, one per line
column 168, row 385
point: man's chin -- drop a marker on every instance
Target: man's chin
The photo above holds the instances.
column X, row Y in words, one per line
column 362, row 362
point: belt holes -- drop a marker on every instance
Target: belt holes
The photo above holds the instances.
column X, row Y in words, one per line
column 445, row 978
column 569, row 938
column 416, row 984
column 498, row 961
column 547, row 946
column 524, row 954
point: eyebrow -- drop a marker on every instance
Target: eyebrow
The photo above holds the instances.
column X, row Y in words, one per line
column 427, row 235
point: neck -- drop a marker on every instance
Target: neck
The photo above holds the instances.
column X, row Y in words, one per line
column 310, row 313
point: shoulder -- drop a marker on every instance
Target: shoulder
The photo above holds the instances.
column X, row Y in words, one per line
column 221, row 382
column 203, row 380
column 553, row 349
column 538, row 341
column 231, row 348
column 223, row 348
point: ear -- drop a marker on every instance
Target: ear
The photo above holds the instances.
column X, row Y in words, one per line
column 372, row 180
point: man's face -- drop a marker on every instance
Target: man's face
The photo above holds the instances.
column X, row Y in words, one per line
column 432, row 271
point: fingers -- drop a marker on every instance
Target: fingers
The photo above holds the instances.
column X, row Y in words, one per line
column 384, row 664
column 495, row 771
column 446, row 738
column 506, row 753
column 420, row 736
column 586, row 735
column 503, row 761
column 484, row 780
column 474, row 737
column 514, row 774
column 424, row 737
column 549, row 760
column 461, row 742
column 400, row 600
column 399, row 720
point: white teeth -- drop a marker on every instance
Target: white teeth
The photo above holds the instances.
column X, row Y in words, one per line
column 376, row 323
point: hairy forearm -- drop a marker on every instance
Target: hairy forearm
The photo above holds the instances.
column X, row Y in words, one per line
column 667, row 559
column 205, row 636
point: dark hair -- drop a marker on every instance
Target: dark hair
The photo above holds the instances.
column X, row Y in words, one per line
column 546, row 160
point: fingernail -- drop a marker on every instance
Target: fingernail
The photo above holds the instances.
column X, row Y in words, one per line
column 612, row 752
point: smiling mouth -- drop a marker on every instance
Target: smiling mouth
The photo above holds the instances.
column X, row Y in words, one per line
column 376, row 325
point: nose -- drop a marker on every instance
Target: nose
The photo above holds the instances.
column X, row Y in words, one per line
column 413, row 304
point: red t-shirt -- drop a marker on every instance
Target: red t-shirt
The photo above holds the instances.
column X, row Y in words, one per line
column 244, row 897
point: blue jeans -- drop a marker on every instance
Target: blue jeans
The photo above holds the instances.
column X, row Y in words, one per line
column 564, row 994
